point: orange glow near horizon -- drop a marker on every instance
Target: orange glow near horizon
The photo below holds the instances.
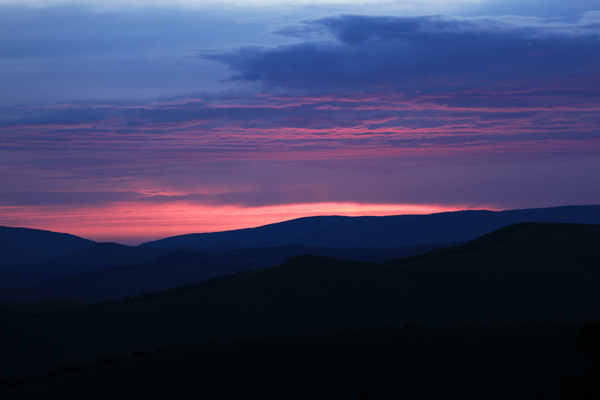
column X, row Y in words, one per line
column 133, row 223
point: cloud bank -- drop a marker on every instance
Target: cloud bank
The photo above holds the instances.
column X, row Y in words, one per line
column 422, row 53
column 347, row 112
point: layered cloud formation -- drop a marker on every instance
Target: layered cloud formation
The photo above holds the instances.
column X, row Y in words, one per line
column 366, row 114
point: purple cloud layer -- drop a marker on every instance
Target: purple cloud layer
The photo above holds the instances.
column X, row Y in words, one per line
column 501, row 112
column 221, row 150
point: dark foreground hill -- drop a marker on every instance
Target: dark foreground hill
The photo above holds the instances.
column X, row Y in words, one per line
column 24, row 246
column 523, row 274
column 390, row 231
column 136, row 274
column 468, row 363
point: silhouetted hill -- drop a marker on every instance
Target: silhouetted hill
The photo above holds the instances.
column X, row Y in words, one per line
column 97, row 256
column 390, row 231
column 525, row 274
column 526, row 233
column 467, row 363
column 177, row 268
column 24, row 246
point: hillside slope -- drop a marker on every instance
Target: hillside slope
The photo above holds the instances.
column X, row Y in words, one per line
column 524, row 363
column 177, row 268
column 94, row 257
column 390, row 231
column 23, row 245
column 529, row 273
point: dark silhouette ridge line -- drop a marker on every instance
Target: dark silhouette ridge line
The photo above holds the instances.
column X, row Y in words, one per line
column 385, row 231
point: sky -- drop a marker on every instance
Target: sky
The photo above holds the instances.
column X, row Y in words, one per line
column 131, row 120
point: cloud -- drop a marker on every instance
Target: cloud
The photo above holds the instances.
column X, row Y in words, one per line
column 301, row 126
column 252, row 4
column 53, row 198
column 421, row 53
column 74, row 52
column 510, row 183
column 557, row 9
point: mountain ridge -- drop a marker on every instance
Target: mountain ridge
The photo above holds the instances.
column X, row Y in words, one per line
column 386, row 231
column 541, row 274
column 25, row 245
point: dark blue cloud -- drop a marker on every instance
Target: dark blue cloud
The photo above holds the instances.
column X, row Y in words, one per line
column 415, row 53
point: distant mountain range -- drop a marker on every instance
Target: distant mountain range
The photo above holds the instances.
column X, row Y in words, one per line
column 41, row 265
column 389, row 231
column 527, row 273
column 179, row 293
column 491, row 292
column 19, row 246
